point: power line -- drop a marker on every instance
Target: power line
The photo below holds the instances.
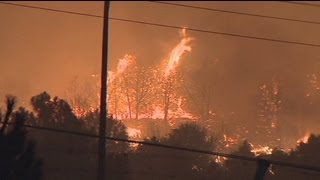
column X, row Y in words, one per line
column 216, row 32
column 162, row 145
column 232, row 156
column 301, row 3
column 172, row 26
column 235, row 12
column 53, row 10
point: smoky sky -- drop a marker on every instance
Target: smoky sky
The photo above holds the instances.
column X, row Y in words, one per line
column 43, row 50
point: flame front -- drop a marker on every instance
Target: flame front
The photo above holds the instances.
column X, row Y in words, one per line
column 139, row 94
column 258, row 150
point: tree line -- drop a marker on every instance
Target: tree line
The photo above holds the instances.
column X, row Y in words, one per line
column 36, row 154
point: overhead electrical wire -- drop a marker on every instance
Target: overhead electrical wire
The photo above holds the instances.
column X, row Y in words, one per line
column 301, row 3
column 234, row 12
column 232, row 156
column 280, row 163
column 170, row 26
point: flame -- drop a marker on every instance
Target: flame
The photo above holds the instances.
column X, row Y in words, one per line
column 270, row 170
column 157, row 113
column 133, row 133
column 220, row 159
column 258, row 150
column 180, row 113
column 271, row 92
column 120, row 104
column 183, row 32
column 305, row 138
column 122, row 99
column 122, row 66
column 230, row 141
column 177, row 52
column 111, row 76
column 79, row 112
column 124, row 63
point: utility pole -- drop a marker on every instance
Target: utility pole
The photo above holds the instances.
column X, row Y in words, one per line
column 262, row 168
column 103, row 97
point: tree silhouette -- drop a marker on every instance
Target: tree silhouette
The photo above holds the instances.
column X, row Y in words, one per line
column 240, row 169
column 117, row 152
column 63, row 154
column 17, row 154
column 69, row 156
column 176, row 164
column 303, row 154
column 54, row 112
column 114, row 128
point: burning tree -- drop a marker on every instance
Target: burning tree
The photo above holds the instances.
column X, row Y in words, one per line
column 136, row 91
column 143, row 90
column 168, row 88
column 83, row 96
column 138, row 88
column 118, row 88
column 131, row 89
column 171, row 80
column 268, row 113
column 139, row 92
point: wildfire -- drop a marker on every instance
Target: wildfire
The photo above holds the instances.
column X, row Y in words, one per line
column 124, row 99
column 305, row 138
column 177, row 52
column 123, row 64
column 220, row 159
column 258, row 150
column 180, row 113
column 230, row 141
column 79, row 112
column 157, row 113
column 111, row 76
column 136, row 92
column 133, row 133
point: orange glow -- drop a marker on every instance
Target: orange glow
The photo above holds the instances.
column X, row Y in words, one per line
column 127, row 80
column 273, row 124
column 177, row 52
column 79, row 112
column 157, row 113
column 180, row 113
column 220, row 159
column 305, row 138
column 258, row 150
column 230, row 141
column 123, row 94
column 111, row 76
column 122, row 66
column 124, row 63
column 133, row 133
